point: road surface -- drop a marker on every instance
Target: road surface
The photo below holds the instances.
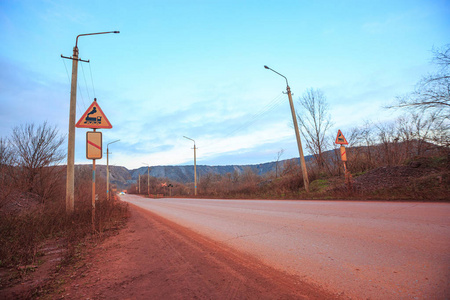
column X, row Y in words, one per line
column 376, row 250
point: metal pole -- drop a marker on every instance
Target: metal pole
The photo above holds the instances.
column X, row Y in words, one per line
column 70, row 180
column 195, row 166
column 148, row 181
column 93, row 194
column 297, row 134
column 107, row 170
column 195, row 171
column 139, row 183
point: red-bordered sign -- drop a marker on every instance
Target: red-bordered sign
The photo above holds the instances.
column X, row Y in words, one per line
column 340, row 139
column 93, row 145
column 94, row 118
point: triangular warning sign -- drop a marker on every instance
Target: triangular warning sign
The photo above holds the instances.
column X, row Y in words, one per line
column 340, row 139
column 93, row 118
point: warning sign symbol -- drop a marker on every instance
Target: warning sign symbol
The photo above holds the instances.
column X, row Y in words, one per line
column 340, row 139
column 93, row 118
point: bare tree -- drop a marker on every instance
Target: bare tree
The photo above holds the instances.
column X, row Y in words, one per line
column 279, row 154
column 386, row 135
column 433, row 91
column 364, row 139
column 315, row 121
column 420, row 131
column 7, row 182
column 36, row 148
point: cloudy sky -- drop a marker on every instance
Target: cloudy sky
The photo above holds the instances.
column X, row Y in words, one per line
column 195, row 68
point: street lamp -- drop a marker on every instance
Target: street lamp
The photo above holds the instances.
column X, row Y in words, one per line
column 297, row 134
column 148, row 179
column 195, row 166
column 107, row 169
column 70, row 186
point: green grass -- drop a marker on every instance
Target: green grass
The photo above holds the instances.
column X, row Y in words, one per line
column 319, row 185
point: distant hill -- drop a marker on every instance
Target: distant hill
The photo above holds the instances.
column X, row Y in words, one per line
column 186, row 173
column 123, row 177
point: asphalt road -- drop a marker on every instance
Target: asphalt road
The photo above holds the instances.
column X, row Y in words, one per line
column 376, row 250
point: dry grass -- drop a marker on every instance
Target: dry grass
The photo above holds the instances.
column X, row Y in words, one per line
column 21, row 234
column 422, row 178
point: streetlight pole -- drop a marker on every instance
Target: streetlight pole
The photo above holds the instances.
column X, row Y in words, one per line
column 107, row 169
column 297, row 134
column 70, row 186
column 195, row 166
column 148, row 179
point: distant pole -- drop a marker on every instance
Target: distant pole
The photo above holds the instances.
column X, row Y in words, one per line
column 195, row 170
column 297, row 134
column 139, row 183
column 148, row 179
column 195, row 166
column 70, row 180
column 107, row 170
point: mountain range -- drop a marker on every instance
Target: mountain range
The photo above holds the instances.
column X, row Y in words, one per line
column 124, row 177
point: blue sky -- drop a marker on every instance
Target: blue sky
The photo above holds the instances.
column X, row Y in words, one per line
column 195, row 68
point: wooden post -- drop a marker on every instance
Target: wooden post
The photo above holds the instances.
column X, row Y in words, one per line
column 348, row 175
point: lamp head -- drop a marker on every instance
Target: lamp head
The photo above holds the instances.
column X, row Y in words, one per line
column 266, row 67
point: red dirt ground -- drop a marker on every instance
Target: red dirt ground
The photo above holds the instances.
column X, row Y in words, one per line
column 153, row 258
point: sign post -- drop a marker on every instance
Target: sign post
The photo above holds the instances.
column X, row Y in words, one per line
column 340, row 140
column 93, row 118
column 93, row 151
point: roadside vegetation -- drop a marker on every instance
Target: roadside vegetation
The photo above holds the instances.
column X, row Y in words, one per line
column 32, row 202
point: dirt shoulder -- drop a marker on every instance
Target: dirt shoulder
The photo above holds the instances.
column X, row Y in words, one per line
column 153, row 258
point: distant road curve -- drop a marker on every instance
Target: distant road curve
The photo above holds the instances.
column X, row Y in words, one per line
column 376, row 250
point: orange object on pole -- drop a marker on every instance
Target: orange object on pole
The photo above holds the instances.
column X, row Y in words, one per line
column 340, row 139
column 343, row 154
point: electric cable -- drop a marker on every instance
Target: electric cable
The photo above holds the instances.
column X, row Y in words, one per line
column 85, row 83
column 92, row 80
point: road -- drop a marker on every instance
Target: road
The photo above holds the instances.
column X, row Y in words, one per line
column 376, row 250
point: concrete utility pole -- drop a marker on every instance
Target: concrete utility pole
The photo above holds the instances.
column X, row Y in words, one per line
column 70, row 187
column 148, row 179
column 297, row 134
column 107, row 170
column 195, row 166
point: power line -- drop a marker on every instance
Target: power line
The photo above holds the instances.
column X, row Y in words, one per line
column 268, row 107
column 92, row 80
column 67, row 72
column 85, row 83
column 79, row 90
column 82, row 99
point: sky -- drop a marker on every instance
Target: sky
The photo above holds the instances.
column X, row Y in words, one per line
column 196, row 69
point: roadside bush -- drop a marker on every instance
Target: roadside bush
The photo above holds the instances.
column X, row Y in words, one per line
column 21, row 234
